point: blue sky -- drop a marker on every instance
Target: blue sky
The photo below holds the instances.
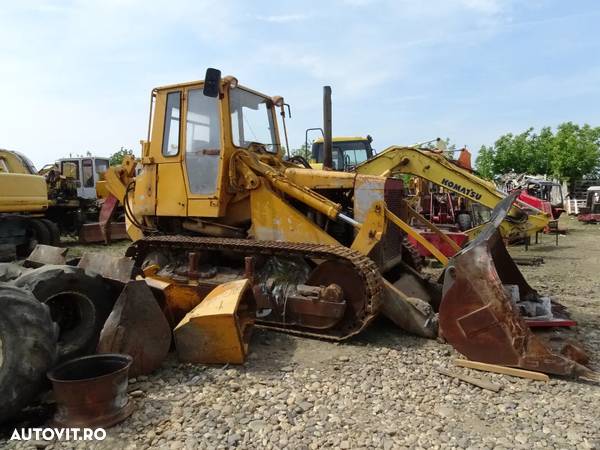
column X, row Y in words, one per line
column 77, row 75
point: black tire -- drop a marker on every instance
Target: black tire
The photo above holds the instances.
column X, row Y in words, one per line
column 465, row 222
column 37, row 233
column 53, row 230
column 11, row 271
column 27, row 348
column 79, row 302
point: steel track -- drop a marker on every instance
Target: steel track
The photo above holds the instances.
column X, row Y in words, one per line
column 362, row 264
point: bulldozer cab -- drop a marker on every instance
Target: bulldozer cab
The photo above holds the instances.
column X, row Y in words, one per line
column 347, row 152
column 191, row 140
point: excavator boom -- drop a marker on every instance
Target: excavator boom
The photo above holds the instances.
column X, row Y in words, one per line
column 434, row 167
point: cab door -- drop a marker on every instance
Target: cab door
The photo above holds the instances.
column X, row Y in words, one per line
column 88, row 185
column 203, row 152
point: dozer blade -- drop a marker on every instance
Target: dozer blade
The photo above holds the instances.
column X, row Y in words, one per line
column 137, row 327
column 479, row 319
column 105, row 230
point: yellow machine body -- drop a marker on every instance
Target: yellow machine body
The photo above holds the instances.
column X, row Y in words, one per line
column 217, row 214
column 218, row 330
column 21, row 191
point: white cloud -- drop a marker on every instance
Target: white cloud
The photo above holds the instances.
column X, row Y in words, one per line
column 283, row 18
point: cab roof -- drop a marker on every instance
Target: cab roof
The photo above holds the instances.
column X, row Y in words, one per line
column 188, row 84
column 342, row 139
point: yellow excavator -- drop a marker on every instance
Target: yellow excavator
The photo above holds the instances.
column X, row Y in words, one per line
column 23, row 205
column 522, row 220
column 323, row 252
column 356, row 154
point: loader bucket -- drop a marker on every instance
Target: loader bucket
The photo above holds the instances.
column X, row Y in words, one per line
column 137, row 327
column 479, row 318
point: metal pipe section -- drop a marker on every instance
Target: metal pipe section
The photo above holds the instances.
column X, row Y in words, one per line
column 349, row 220
column 327, row 134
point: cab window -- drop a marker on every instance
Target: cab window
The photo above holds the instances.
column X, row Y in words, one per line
column 88, row 173
column 170, row 145
column 70, row 169
column 202, row 142
column 101, row 166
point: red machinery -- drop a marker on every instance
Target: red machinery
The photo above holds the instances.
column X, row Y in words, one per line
column 543, row 195
column 590, row 213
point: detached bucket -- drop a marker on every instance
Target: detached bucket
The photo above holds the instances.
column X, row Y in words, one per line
column 92, row 391
column 477, row 316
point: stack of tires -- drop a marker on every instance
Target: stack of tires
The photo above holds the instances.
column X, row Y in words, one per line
column 49, row 315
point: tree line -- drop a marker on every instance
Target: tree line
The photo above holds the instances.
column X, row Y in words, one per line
column 568, row 154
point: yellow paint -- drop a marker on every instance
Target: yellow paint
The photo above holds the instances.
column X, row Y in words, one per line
column 273, row 219
column 20, row 190
column 435, row 168
column 171, row 198
column 217, row 331
column 372, row 229
column 11, row 162
column 320, row 140
column 417, row 236
column 145, row 192
column 102, row 189
column 321, row 179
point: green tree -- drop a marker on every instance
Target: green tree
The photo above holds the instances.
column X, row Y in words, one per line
column 570, row 153
column 303, row 151
column 576, row 151
column 484, row 163
column 117, row 157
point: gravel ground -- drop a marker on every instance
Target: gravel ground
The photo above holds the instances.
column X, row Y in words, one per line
column 378, row 390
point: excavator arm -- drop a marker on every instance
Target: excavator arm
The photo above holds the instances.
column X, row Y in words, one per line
column 434, row 167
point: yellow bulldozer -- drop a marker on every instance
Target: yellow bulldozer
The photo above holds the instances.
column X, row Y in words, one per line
column 323, row 252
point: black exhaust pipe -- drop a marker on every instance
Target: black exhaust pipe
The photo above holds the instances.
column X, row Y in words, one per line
column 327, row 136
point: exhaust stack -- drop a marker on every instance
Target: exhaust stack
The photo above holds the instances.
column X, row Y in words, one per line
column 327, row 136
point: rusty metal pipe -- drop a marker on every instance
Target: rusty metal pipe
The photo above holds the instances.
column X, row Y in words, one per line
column 91, row 391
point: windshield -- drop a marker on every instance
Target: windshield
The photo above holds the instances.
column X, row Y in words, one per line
column 251, row 119
column 344, row 154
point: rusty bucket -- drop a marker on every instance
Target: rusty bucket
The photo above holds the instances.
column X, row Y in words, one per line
column 479, row 319
column 91, row 391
